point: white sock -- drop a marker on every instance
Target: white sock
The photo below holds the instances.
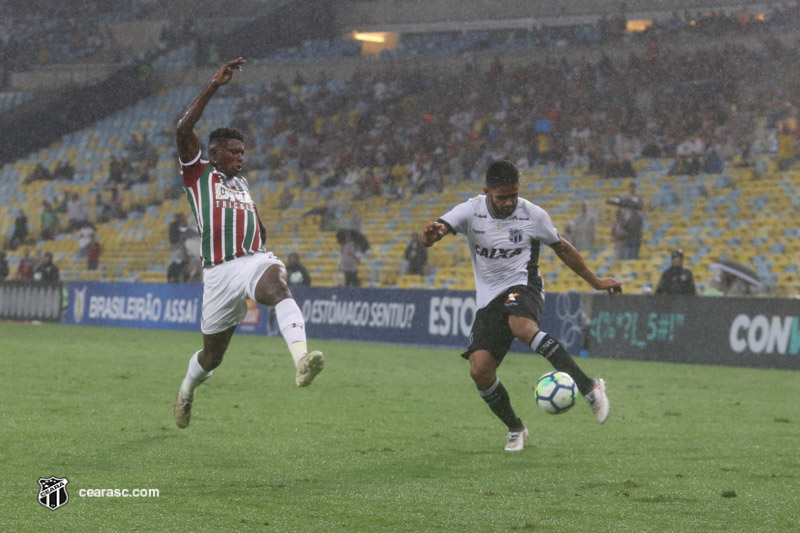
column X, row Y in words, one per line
column 293, row 328
column 298, row 350
column 195, row 375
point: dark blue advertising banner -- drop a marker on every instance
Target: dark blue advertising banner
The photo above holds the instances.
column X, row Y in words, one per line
column 174, row 306
column 419, row 317
column 754, row 332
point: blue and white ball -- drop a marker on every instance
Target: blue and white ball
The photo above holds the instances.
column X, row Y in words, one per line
column 556, row 393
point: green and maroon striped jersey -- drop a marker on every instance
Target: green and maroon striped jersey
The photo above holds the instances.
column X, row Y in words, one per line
column 225, row 214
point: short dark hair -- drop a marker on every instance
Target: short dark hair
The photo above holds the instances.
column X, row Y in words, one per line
column 501, row 173
column 225, row 133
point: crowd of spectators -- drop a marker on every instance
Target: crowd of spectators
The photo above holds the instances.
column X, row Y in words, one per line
column 41, row 32
column 398, row 132
column 135, row 165
column 35, row 32
column 38, row 32
column 608, row 30
column 401, row 130
column 64, row 171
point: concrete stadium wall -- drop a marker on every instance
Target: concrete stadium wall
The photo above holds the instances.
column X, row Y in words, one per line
column 344, row 68
column 374, row 14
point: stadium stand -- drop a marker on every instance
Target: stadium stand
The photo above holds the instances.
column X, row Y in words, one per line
column 10, row 100
column 433, row 135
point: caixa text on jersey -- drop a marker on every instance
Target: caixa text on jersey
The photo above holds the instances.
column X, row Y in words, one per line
column 497, row 253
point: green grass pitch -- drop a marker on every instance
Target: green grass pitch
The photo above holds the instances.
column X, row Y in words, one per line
column 387, row 439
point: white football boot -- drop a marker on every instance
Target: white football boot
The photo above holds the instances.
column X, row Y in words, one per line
column 598, row 400
column 308, row 368
column 182, row 412
column 517, row 440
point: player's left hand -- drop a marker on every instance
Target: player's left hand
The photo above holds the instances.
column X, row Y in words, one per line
column 610, row 285
column 225, row 72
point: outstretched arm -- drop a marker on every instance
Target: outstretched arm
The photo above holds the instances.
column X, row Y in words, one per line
column 570, row 257
column 433, row 232
column 188, row 143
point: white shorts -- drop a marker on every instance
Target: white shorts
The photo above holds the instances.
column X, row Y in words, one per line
column 226, row 286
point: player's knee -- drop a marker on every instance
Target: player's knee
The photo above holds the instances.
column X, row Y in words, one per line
column 272, row 288
column 482, row 375
column 483, row 381
column 211, row 358
column 523, row 328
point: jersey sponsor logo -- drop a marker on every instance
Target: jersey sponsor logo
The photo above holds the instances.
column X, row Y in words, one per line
column 479, row 216
column 478, row 231
column 497, row 253
column 515, row 235
column 232, row 198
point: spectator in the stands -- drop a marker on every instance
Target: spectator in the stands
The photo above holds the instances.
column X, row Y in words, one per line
column 20, row 232
column 47, row 271
column 3, row 267
column 49, row 221
column 64, row 171
column 93, row 250
column 296, row 272
column 25, row 266
column 77, row 213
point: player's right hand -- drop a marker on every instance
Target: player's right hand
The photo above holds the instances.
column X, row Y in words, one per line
column 433, row 232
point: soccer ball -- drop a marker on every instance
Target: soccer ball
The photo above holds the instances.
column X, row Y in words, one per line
column 555, row 392
column 296, row 278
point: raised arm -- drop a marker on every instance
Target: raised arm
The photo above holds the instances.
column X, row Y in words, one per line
column 570, row 257
column 188, row 142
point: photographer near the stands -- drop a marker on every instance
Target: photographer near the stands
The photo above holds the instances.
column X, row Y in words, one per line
column 677, row 279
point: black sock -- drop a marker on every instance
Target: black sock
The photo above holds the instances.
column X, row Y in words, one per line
column 552, row 350
column 496, row 397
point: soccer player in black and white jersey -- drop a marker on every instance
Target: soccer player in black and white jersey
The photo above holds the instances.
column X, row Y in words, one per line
column 505, row 233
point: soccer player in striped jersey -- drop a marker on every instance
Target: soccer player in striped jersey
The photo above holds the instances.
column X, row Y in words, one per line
column 505, row 233
column 236, row 263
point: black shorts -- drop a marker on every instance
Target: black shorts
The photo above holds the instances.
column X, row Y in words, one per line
column 491, row 331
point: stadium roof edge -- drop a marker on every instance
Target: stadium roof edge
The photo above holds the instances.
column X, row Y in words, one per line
column 530, row 22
